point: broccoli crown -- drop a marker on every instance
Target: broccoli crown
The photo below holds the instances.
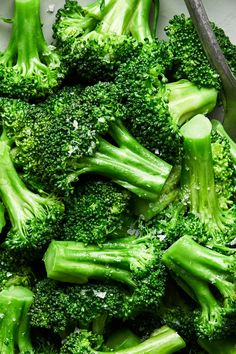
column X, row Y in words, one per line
column 82, row 341
column 153, row 105
column 29, row 68
column 190, row 61
column 34, row 218
column 95, row 48
column 96, row 210
column 14, row 271
column 63, row 308
column 15, row 302
column 209, row 278
column 198, row 182
column 132, row 261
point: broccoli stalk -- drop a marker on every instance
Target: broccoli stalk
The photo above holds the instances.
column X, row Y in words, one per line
column 139, row 26
column 218, row 61
column 29, row 68
column 198, row 182
column 164, row 341
column 122, row 339
column 128, row 164
column 198, row 269
column 14, row 321
column 34, row 218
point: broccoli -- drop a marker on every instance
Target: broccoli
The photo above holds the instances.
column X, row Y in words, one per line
column 131, row 261
column 122, row 338
column 61, row 308
column 97, row 210
column 45, row 342
column 190, row 61
column 198, row 185
column 223, row 346
column 29, row 68
column 86, row 136
column 95, row 40
column 209, row 278
column 15, row 302
column 165, row 340
column 155, row 109
column 34, row 218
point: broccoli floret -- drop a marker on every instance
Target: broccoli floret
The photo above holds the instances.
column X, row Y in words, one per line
column 165, row 340
column 209, row 278
column 87, row 136
column 95, row 41
column 198, row 183
column 223, row 346
column 61, row 308
column 97, row 210
column 131, row 261
column 190, row 61
column 156, row 109
column 34, row 218
column 15, row 302
column 29, row 68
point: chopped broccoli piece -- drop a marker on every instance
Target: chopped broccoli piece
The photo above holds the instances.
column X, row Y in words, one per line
column 165, row 340
column 29, row 68
column 34, row 218
column 209, row 278
column 97, row 210
column 95, row 40
column 131, row 261
column 198, row 183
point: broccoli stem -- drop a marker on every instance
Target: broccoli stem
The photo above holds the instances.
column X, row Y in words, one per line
column 217, row 60
column 14, row 322
column 185, row 100
column 130, row 164
column 139, row 26
column 27, row 41
column 122, row 339
column 116, row 16
column 2, row 217
column 74, row 262
column 166, row 341
column 20, row 203
column 198, row 174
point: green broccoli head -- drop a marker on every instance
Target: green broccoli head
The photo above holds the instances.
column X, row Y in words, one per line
column 29, row 68
column 155, row 109
column 62, row 308
column 34, row 218
column 190, row 60
column 209, row 278
column 97, row 210
column 96, row 39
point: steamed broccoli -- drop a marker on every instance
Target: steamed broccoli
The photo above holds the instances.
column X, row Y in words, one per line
column 131, row 261
column 190, row 61
column 209, row 278
column 199, row 189
column 61, row 308
column 96, row 39
column 164, row 341
column 29, row 68
column 86, row 135
column 34, row 218
column 96, row 210
column 155, row 109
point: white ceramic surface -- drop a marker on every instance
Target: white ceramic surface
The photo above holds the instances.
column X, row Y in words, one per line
column 221, row 12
